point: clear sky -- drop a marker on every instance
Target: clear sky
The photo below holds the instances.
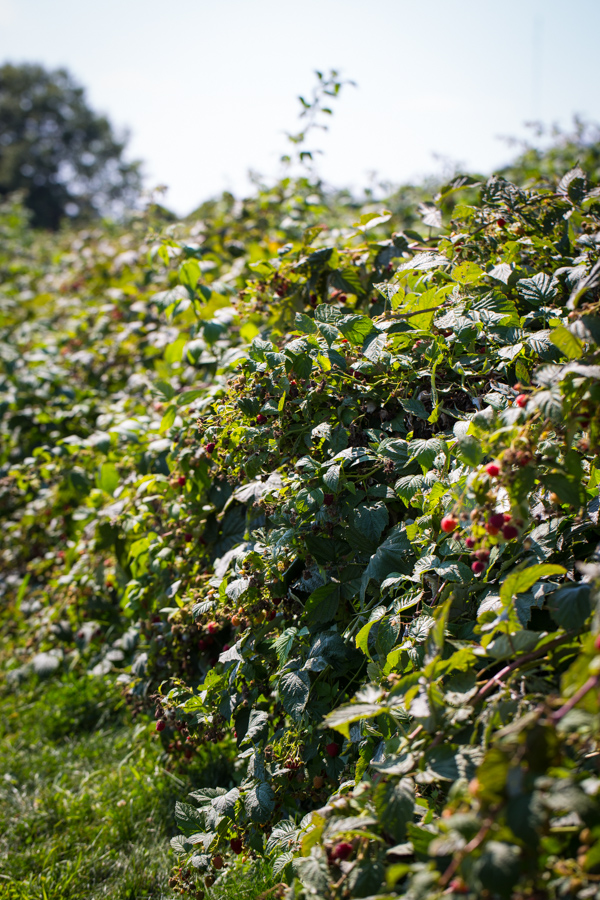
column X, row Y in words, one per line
column 208, row 89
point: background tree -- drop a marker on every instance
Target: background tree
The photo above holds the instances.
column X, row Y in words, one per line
column 53, row 147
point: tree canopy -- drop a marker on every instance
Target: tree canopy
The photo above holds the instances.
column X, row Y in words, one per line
column 64, row 157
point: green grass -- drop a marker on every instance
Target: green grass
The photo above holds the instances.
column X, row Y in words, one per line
column 86, row 804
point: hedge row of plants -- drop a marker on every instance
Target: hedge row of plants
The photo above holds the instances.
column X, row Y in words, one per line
column 319, row 483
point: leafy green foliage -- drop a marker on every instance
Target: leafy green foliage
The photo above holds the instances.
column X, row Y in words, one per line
column 329, row 500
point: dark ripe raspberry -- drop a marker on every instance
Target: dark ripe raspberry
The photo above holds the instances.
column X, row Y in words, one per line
column 210, row 447
column 470, row 542
column 501, row 223
column 332, row 749
column 188, row 537
column 496, row 520
column 271, row 615
column 510, row 532
column 342, row 850
column 328, row 499
column 236, row 845
column 277, row 601
column 478, row 567
column 181, row 480
column 260, row 419
column 225, row 647
column 161, row 725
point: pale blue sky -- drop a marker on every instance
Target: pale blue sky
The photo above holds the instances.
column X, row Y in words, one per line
column 208, row 89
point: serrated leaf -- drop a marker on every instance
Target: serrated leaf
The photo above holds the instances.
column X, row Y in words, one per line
column 259, row 802
column 370, row 520
column 567, row 342
column 467, row 273
column 294, row 689
column 362, row 638
column 355, row 328
column 395, row 806
column 524, row 579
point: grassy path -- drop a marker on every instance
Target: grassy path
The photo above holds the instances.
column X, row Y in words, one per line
column 84, row 800
column 86, row 804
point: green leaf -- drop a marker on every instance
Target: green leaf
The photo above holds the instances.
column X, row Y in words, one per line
column 341, row 719
column 189, row 273
column 424, row 451
column 395, row 805
column 390, row 291
column 499, row 867
column 570, row 606
column 407, row 486
column 568, row 490
column 168, row 419
column 362, row 638
column 467, row 273
column 539, row 290
column 305, row 324
column 294, row 688
column 259, row 802
column 188, row 818
column 567, row 342
column 355, row 328
column 108, row 478
column 524, row 579
column 370, row 520
column 323, row 603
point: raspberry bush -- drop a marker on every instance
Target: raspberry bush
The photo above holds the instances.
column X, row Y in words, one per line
column 318, row 482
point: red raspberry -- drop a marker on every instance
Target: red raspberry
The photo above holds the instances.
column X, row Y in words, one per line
column 510, row 532
column 260, row 419
column 181, row 480
column 501, row 223
column 493, row 470
column 449, row 524
column 491, row 530
column 522, row 400
column 496, row 520
column 478, row 567
column 161, row 725
column 212, row 627
column 470, row 542
column 210, row 447
column 342, row 850
column 332, row 749
column 225, row 647
column 597, row 643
